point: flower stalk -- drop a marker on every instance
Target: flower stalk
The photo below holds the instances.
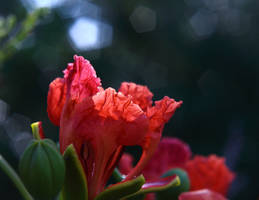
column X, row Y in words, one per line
column 15, row 178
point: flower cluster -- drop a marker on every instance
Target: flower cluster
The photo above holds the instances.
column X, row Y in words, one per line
column 100, row 122
column 209, row 174
column 95, row 124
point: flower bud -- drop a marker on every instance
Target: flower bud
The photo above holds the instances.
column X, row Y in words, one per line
column 42, row 169
column 173, row 192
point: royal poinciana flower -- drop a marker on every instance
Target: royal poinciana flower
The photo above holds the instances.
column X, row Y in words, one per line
column 204, row 172
column 100, row 122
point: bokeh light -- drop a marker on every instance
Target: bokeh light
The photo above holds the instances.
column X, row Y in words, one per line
column 89, row 34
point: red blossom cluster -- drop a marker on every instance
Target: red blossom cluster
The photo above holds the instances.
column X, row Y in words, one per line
column 101, row 122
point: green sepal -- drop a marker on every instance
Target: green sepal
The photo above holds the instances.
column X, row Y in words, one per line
column 174, row 192
column 122, row 189
column 75, row 186
column 148, row 188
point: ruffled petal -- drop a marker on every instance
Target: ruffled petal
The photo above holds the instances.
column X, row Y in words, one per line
column 209, row 172
column 141, row 95
column 161, row 113
column 133, row 123
column 204, row 194
column 56, row 100
column 81, row 79
column 171, row 153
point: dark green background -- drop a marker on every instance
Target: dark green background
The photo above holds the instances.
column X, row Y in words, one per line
column 214, row 74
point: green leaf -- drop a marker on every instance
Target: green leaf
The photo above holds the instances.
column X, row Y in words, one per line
column 156, row 186
column 122, row 189
column 75, row 186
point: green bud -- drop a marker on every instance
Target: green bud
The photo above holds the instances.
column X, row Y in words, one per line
column 173, row 192
column 42, row 169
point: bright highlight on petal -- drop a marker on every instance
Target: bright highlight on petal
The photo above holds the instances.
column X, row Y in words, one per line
column 201, row 195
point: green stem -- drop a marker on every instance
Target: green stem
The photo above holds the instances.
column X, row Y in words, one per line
column 15, row 178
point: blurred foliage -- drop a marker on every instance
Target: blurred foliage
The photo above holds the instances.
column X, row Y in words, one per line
column 204, row 52
column 11, row 39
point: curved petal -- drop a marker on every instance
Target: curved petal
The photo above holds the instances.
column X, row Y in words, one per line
column 161, row 113
column 141, row 95
column 204, row 194
column 209, row 172
column 158, row 115
column 56, row 100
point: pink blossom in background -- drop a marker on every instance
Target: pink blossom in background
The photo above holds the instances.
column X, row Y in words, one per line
column 204, row 194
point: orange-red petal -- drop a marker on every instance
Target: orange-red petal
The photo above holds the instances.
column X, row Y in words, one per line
column 161, row 113
column 56, row 100
column 141, row 95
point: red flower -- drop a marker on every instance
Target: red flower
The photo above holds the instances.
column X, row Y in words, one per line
column 100, row 122
column 209, row 172
column 201, row 195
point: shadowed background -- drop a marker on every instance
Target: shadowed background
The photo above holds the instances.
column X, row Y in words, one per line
column 204, row 52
